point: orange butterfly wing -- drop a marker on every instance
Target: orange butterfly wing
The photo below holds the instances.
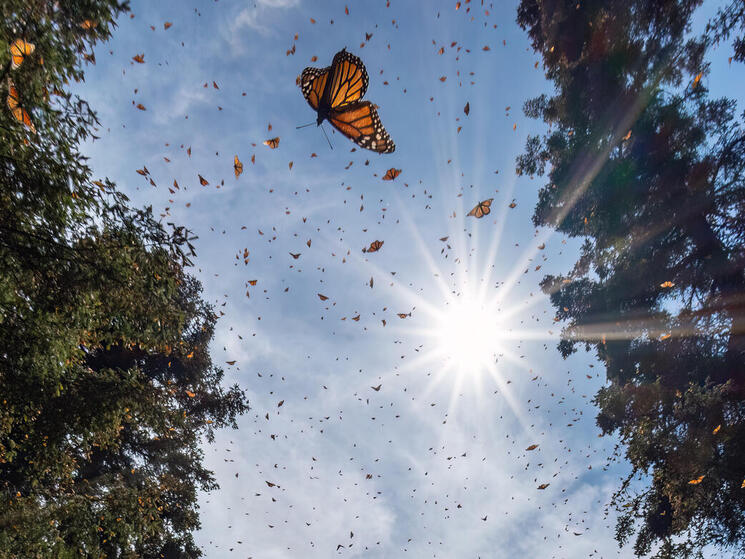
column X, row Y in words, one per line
column 391, row 174
column 19, row 113
column 375, row 246
column 360, row 123
column 272, row 142
column 19, row 49
column 348, row 80
column 481, row 209
column 313, row 83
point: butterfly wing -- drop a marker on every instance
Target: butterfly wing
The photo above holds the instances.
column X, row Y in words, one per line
column 19, row 113
column 18, row 50
column 481, row 209
column 360, row 123
column 348, row 80
column 391, row 174
column 313, row 83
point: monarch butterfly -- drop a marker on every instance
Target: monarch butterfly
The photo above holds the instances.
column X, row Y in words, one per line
column 391, row 174
column 375, row 246
column 237, row 167
column 19, row 49
column 20, row 114
column 481, row 209
column 335, row 93
column 272, row 142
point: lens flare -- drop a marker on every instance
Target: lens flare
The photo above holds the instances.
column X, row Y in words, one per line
column 468, row 336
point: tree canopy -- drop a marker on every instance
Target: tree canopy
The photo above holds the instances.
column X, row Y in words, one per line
column 106, row 383
column 648, row 169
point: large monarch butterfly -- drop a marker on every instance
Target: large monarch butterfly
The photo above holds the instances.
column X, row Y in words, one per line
column 19, row 49
column 335, row 93
column 14, row 104
column 481, row 209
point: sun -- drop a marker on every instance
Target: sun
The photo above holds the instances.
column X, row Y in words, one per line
column 468, row 334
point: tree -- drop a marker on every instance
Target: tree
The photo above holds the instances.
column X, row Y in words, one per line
column 106, row 383
column 649, row 170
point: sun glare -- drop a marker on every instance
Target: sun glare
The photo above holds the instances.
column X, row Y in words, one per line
column 468, row 336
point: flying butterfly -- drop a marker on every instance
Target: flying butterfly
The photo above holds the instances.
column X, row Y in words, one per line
column 375, row 246
column 14, row 104
column 391, row 174
column 237, row 167
column 19, row 49
column 335, row 93
column 481, row 209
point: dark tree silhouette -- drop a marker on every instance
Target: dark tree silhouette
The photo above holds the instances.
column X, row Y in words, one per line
column 648, row 169
column 106, row 383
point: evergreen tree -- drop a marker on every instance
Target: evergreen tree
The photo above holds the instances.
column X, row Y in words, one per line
column 649, row 170
column 106, row 384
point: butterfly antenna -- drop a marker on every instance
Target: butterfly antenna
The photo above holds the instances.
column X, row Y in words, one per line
column 327, row 137
column 304, row 125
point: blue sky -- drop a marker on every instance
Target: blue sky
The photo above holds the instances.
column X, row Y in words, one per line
column 382, row 473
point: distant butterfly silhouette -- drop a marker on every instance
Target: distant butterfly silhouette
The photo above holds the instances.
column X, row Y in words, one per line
column 335, row 93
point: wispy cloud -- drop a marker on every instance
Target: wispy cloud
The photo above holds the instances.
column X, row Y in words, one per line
column 258, row 17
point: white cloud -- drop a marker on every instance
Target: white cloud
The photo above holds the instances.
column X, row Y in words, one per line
column 258, row 16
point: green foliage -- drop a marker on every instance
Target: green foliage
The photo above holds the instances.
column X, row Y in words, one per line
column 649, row 170
column 106, row 383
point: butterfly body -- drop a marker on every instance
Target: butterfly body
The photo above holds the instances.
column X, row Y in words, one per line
column 335, row 93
